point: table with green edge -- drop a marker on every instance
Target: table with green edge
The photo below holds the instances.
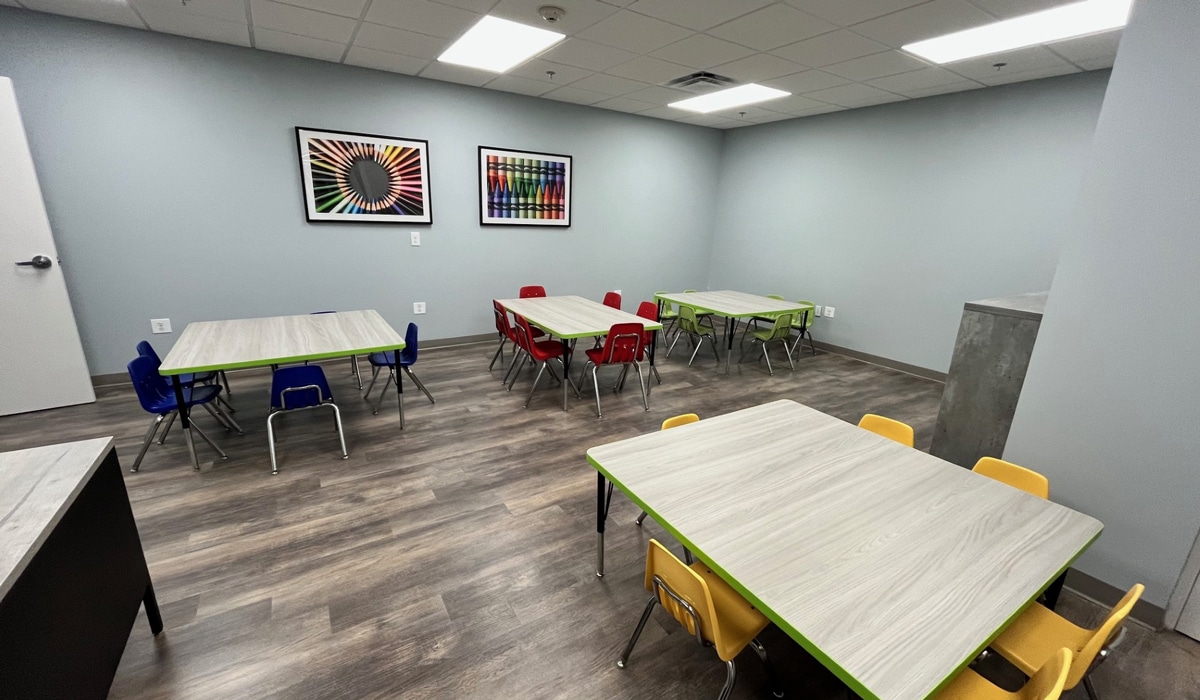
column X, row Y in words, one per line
column 732, row 306
column 570, row 318
column 209, row 346
column 891, row 567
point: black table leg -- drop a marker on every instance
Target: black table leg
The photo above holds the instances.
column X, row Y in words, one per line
column 601, row 517
column 399, row 387
column 730, row 332
column 1052, row 593
column 152, row 614
column 566, row 362
column 185, row 420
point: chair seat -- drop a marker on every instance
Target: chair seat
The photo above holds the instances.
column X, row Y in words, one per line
column 382, row 359
column 545, row 349
column 191, row 396
column 296, row 376
column 765, row 334
column 596, row 355
column 969, row 685
column 740, row 621
column 1034, row 637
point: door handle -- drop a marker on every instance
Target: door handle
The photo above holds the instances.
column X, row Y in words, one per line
column 41, row 262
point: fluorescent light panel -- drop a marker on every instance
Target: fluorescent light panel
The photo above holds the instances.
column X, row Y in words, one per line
column 732, row 97
column 496, row 45
column 1055, row 24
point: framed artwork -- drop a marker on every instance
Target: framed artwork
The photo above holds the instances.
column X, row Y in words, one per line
column 522, row 188
column 364, row 178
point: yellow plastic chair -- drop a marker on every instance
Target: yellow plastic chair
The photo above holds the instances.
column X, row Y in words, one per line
column 1039, row 632
column 672, row 422
column 707, row 607
column 1046, row 684
column 889, row 428
column 1014, row 475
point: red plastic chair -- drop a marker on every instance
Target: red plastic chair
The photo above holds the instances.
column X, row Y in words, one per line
column 612, row 300
column 532, row 291
column 540, row 351
column 623, row 345
column 649, row 311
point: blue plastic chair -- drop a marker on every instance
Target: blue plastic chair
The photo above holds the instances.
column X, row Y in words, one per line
column 408, row 358
column 158, row 397
column 145, row 349
column 299, row 388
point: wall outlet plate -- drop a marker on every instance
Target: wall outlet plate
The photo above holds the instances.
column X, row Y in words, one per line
column 829, row 312
column 416, row 237
column 817, row 309
column 160, row 325
column 418, row 307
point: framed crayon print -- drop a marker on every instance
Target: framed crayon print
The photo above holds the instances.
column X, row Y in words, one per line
column 364, row 178
column 524, row 188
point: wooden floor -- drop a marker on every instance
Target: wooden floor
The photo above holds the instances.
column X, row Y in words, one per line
column 455, row 558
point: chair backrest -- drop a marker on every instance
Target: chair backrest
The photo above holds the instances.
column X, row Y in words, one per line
column 1102, row 635
column 649, row 311
column 782, row 327
column 408, row 356
column 502, row 326
column 676, row 421
column 532, row 291
column 687, row 319
column 623, row 344
column 685, row 584
column 612, row 300
column 145, row 349
column 289, row 379
column 889, row 428
column 150, row 386
column 1014, row 475
column 526, row 333
column 668, row 307
column 522, row 335
column 809, row 317
column 1047, row 682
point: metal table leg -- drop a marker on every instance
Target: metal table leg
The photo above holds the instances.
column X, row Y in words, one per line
column 603, row 499
column 566, row 361
column 653, row 369
column 399, row 387
column 153, row 616
column 185, row 421
column 730, row 332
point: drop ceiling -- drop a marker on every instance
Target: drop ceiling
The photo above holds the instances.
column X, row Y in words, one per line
column 831, row 54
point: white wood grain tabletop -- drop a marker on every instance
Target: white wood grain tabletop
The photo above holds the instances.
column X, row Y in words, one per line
column 732, row 304
column 892, row 567
column 571, row 316
column 36, row 487
column 254, row 342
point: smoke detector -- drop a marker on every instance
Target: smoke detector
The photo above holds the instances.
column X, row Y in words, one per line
column 550, row 13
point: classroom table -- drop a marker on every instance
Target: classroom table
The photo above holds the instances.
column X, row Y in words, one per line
column 732, row 306
column 890, row 566
column 570, row 318
column 208, row 346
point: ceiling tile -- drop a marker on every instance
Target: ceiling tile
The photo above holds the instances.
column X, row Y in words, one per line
column 1016, row 8
column 830, row 48
column 624, row 104
column 876, row 66
column 916, row 81
column 794, row 104
column 537, row 68
column 748, row 112
column 577, row 16
column 659, row 95
column 1048, row 72
column 847, row 12
column 923, row 22
column 1089, row 47
column 711, row 120
column 197, row 27
column 824, row 109
column 760, row 66
column 772, row 27
column 608, row 84
column 633, row 32
column 297, row 20
column 1019, row 61
column 649, row 70
column 767, row 117
column 476, row 6
column 618, row 3
column 570, row 94
column 854, row 95
column 697, row 14
column 282, row 42
column 944, row 89
column 422, row 17
column 228, row 10
column 456, row 74
column 701, row 51
column 111, row 12
column 521, row 86
column 380, row 38
column 587, row 54
column 345, row 8
column 662, row 113
column 384, row 60
column 806, row 81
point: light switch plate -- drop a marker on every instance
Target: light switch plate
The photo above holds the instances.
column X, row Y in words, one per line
column 160, row 325
column 418, row 307
column 829, row 312
column 416, row 237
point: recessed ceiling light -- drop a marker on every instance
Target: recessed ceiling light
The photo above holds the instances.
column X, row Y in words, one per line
column 1064, row 22
column 496, row 45
column 733, row 97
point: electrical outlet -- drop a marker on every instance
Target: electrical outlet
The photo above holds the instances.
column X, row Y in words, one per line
column 416, row 237
column 418, row 307
column 828, row 312
column 817, row 310
column 160, row 325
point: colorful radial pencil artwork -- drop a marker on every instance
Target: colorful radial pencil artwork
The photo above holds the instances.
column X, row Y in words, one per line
column 520, row 188
column 363, row 177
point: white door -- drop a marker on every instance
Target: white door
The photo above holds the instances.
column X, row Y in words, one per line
column 41, row 358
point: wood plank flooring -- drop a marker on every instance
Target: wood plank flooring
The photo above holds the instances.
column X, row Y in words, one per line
column 453, row 559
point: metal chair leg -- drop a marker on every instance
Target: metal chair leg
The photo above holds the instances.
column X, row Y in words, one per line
column 698, row 344
column 374, row 376
column 357, row 376
column 533, row 388
column 209, row 441
column 1091, row 689
column 383, row 392
column 640, row 518
column 149, row 436
column 229, row 419
column 642, row 385
column 637, row 632
column 518, row 366
column 767, row 357
column 657, row 376
column 225, row 381
column 162, row 438
column 772, row 677
column 271, row 442
column 730, row 679
column 337, row 418
column 499, row 352
column 419, row 384
column 222, row 402
column 596, row 389
column 789, row 355
column 219, row 419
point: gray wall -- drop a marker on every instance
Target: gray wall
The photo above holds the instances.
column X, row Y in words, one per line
column 1111, row 400
column 898, row 214
column 170, row 172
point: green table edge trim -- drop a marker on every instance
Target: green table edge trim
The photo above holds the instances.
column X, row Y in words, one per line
column 278, row 360
column 853, row 683
column 726, row 314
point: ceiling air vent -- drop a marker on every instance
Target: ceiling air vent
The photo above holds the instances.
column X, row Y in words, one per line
column 699, row 82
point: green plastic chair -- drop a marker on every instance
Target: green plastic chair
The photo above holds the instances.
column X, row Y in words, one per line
column 801, row 324
column 667, row 316
column 696, row 332
column 765, row 318
column 780, row 330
